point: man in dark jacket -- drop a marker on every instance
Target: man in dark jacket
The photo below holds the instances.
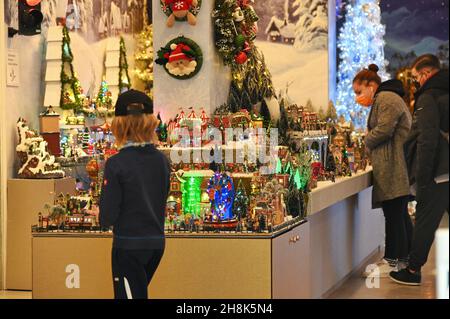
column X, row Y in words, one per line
column 427, row 154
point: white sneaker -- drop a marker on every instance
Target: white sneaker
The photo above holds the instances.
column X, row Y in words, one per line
column 380, row 269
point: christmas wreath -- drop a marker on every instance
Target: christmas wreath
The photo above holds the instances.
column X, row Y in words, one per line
column 181, row 10
column 182, row 58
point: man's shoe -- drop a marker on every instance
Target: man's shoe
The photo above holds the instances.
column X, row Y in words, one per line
column 381, row 269
column 405, row 277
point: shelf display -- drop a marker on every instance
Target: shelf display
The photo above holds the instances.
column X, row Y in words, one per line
column 181, row 10
column 182, row 58
column 69, row 213
column 208, row 197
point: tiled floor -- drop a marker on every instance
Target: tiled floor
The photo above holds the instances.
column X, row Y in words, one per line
column 355, row 287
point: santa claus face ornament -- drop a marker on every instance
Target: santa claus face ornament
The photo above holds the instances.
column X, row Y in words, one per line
column 181, row 10
column 182, row 58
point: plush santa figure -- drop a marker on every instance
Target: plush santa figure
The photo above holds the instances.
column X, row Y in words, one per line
column 180, row 9
column 179, row 63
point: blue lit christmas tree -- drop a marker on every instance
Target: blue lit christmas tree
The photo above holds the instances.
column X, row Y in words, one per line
column 221, row 194
column 361, row 43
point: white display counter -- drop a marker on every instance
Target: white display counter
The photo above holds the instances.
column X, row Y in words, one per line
column 305, row 261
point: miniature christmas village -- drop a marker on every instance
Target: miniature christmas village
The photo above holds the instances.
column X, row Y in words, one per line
column 205, row 196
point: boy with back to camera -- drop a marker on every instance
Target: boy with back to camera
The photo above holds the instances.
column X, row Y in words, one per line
column 134, row 194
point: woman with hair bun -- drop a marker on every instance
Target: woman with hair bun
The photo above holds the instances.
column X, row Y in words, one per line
column 388, row 126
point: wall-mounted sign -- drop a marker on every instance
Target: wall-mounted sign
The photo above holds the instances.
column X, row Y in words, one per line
column 12, row 68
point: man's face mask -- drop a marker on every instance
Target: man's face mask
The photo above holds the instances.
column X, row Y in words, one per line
column 364, row 95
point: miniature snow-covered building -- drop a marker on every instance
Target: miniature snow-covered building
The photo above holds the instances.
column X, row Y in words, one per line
column 273, row 30
column 288, row 33
column 35, row 160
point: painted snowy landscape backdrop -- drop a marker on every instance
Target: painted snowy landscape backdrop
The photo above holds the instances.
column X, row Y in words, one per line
column 91, row 23
column 293, row 35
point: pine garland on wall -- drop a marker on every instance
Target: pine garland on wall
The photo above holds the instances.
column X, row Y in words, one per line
column 235, row 32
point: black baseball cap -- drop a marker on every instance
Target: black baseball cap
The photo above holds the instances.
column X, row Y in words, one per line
column 133, row 97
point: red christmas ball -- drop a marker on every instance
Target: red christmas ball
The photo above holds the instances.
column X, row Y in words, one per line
column 241, row 58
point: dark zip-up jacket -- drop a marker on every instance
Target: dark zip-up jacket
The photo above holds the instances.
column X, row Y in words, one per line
column 426, row 149
column 134, row 195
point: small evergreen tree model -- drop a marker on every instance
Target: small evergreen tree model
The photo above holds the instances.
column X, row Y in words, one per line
column 283, row 126
column 85, row 139
column 330, row 165
column 246, row 102
column 331, row 115
column 265, row 113
column 241, row 202
column 124, row 78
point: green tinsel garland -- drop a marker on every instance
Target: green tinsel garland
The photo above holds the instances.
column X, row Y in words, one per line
column 123, row 68
column 68, row 80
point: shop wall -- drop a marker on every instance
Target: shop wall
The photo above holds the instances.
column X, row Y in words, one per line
column 293, row 35
column 2, row 145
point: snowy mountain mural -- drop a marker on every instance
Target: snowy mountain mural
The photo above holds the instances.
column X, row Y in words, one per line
column 92, row 19
column 293, row 35
column 91, row 24
column 311, row 29
column 413, row 28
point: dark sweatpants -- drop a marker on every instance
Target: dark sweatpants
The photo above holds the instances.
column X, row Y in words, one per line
column 399, row 229
column 430, row 209
column 132, row 272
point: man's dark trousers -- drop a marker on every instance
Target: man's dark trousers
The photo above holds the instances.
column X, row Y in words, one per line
column 432, row 202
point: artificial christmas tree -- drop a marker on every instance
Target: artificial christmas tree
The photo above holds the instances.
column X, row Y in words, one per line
column 144, row 59
column 361, row 44
column 124, row 78
column 265, row 113
column 283, row 126
column 71, row 91
column 241, row 202
column 103, row 102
